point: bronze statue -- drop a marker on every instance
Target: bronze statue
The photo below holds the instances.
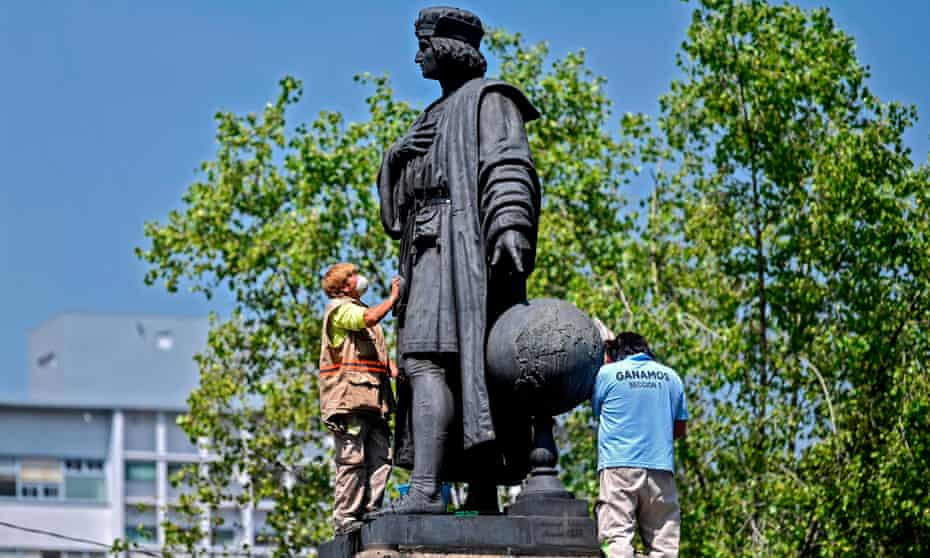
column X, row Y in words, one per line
column 460, row 193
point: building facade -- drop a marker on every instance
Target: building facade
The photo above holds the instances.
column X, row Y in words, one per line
column 88, row 452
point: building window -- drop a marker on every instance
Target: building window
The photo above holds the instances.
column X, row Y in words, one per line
column 8, row 474
column 40, row 470
column 83, row 466
column 141, row 524
column 227, row 532
column 140, row 478
column 262, row 532
column 224, row 536
column 40, row 479
column 141, row 533
column 140, row 431
column 84, row 480
column 7, row 485
column 84, row 488
column 175, row 469
column 183, row 522
column 184, row 474
column 177, row 440
column 140, row 471
column 38, row 491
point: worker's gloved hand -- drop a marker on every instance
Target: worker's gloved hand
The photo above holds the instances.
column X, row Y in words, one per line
column 512, row 254
column 397, row 283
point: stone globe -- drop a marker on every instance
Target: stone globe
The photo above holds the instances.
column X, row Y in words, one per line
column 545, row 354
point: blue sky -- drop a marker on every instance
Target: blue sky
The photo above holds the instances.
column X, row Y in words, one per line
column 106, row 109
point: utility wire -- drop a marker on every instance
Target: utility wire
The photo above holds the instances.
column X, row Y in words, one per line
column 109, row 547
column 68, row 537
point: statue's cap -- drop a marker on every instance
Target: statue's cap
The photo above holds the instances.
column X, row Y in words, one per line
column 451, row 23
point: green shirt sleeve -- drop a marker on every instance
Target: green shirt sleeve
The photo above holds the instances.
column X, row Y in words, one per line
column 348, row 317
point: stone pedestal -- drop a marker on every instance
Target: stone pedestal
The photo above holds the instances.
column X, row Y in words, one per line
column 455, row 536
column 417, row 554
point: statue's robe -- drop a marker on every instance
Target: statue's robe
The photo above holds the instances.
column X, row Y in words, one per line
column 481, row 157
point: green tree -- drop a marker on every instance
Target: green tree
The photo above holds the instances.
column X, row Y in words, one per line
column 791, row 227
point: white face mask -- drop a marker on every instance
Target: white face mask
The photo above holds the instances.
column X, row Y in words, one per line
column 361, row 285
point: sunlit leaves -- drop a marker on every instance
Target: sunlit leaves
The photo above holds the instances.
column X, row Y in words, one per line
column 804, row 253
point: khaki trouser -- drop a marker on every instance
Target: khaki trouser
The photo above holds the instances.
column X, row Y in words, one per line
column 647, row 497
column 363, row 463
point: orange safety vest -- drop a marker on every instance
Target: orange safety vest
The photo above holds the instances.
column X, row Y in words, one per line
column 354, row 376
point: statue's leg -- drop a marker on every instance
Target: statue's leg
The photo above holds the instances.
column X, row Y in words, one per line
column 433, row 408
column 432, row 411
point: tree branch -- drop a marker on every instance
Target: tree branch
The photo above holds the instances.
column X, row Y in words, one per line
column 826, row 392
column 758, row 228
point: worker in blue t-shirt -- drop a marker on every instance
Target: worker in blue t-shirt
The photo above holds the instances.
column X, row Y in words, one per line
column 640, row 407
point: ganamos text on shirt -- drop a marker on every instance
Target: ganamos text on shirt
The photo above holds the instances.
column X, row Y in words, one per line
column 643, row 378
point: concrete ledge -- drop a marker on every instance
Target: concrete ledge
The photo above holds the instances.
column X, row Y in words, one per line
column 425, row 536
column 414, row 554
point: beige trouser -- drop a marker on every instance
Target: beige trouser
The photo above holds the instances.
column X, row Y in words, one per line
column 647, row 497
column 363, row 463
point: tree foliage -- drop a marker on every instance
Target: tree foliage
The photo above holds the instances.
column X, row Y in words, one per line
column 802, row 228
column 788, row 242
column 779, row 261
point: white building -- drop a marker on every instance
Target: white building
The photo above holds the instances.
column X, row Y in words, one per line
column 94, row 438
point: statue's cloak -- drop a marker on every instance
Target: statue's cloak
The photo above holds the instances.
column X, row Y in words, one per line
column 473, row 204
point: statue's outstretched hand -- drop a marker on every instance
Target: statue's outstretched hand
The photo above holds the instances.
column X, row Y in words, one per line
column 512, row 253
column 414, row 144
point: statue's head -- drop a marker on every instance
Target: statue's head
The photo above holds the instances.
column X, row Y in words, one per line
column 450, row 39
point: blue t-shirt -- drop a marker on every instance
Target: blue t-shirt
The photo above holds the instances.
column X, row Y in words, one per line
column 637, row 401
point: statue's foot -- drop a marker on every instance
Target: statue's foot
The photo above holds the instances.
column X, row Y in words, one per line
column 413, row 503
